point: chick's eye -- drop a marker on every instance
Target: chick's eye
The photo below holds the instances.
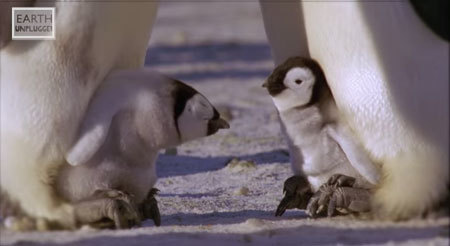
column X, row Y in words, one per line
column 298, row 81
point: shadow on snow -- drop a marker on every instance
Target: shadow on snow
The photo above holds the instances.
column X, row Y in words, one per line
column 176, row 165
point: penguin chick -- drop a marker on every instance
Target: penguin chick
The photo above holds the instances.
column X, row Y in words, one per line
column 320, row 143
column 132, row 116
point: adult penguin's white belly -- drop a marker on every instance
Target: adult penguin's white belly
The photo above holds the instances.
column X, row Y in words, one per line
column 46, row 87
column 389, row 75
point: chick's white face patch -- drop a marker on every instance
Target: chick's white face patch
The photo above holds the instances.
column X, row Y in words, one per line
column 299, row 84
column 201, row 107
column 193, row 121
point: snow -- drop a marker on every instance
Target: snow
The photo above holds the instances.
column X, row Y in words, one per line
column 224, row 189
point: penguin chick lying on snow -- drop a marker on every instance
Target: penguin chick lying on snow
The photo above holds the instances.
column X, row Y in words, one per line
column 131, row 117
column 323, row 149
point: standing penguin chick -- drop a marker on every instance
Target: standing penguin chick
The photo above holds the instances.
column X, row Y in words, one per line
column 131, row 117
column 323, row 149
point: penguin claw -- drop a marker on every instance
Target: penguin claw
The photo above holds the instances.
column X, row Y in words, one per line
column 338, row 192
column 340, row 180
column 108, row 209
column 124, row 215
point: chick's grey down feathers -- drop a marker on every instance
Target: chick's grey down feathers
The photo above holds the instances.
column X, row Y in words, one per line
column 320, row 142
column 132, row 116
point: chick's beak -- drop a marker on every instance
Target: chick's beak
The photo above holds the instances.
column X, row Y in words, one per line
column 215, row 124
column 265, row 84
column 222, row 124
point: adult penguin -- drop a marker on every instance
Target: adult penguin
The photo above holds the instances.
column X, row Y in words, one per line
column 46, row 87
column 388, row 71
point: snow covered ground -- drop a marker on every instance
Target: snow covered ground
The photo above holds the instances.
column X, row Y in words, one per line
column 224, row 189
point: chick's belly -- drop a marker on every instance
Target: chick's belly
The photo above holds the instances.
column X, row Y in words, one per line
column 316, row 164
column 319, row 168
column 316, row 182
column 138, row 183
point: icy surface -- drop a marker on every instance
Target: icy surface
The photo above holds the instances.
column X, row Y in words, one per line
column 220, row 49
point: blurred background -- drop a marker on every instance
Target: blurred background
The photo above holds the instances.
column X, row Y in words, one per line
column 221, row 49
column 204, row 41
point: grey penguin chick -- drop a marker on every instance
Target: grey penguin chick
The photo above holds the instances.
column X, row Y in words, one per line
column 133, row 115
column 321, row 145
